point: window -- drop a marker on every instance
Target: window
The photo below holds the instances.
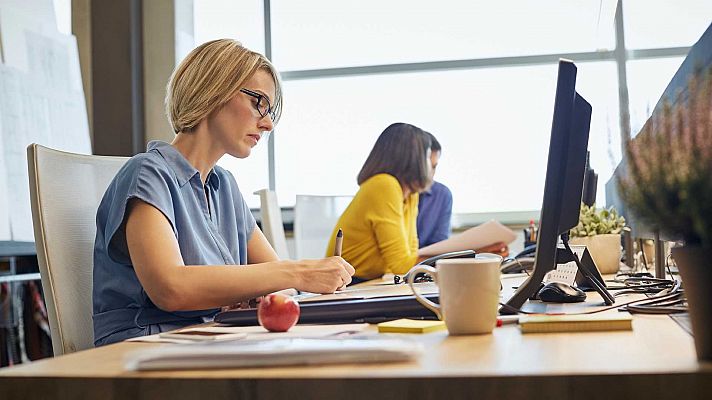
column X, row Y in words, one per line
column 373, row 32
column 647, row 80
column 493, row 118
column 664, row 23
column 242, row 20
column 493, row 124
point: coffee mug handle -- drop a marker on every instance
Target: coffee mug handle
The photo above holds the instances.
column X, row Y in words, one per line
column 422, row 300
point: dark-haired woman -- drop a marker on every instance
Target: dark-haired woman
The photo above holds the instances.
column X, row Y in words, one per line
column 379, row 225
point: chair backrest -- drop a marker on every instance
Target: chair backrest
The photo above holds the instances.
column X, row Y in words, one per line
column 314, row 221
column 65, row 191
column 272, row 226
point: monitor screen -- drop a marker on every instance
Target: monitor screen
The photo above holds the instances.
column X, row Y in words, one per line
column 699, row 58
column 564, row 179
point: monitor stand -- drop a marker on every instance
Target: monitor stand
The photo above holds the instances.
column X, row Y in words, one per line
column 659, row 256
column 587, row 276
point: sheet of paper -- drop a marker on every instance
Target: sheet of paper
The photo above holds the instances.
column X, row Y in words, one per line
column 287, row 351
column 472, row 239
column 5, row 233
column 42, row 10
column 260, row 333
column 566, row 273
column 41, row 101
column 15, row 107
column 372, row 292
column 18, row 17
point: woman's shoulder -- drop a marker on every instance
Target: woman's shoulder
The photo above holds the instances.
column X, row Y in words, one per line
column 382, row 186
column 381, row 181
column 147, row 166
column 148, row 160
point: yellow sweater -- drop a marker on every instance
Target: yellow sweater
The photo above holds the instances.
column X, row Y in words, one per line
column 379, row 228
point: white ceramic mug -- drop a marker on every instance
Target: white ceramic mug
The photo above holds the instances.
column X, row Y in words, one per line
column 469, row 292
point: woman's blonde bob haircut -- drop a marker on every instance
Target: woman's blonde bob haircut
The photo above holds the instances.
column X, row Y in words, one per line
column 209, row 77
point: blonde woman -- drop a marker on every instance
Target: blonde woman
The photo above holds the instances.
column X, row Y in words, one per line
column 173, row 230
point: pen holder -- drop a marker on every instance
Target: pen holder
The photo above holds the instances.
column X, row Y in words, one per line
column 528, row 235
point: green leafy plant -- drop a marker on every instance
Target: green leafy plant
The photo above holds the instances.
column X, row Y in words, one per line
column 593, row 222
column 667, row 182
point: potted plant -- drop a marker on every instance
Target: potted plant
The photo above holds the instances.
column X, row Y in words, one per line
column 668, row 185
column 600, row 232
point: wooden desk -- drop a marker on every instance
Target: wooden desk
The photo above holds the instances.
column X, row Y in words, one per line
column 654, row 361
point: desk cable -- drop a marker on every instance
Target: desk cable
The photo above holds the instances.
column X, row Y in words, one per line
column 668, row 296
column 668, row 300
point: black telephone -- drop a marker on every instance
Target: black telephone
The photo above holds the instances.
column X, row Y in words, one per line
column 528, row 251
column 422, row 277
column 523, row 261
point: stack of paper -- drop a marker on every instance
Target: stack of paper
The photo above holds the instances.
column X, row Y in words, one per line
column 259, row 333
column 265, row 353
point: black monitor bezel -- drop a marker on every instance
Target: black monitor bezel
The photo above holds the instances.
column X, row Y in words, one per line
column 564, row 179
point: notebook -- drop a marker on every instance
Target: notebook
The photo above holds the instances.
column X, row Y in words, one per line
column 575, row 323
column 372, row 310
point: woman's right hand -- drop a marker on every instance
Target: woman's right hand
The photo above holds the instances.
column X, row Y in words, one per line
column 323, row 276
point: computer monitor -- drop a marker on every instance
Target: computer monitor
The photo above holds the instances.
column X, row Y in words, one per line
column 698, row 59
column 564, row 179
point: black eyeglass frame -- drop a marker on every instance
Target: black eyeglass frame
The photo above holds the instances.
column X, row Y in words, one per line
column 260, row 97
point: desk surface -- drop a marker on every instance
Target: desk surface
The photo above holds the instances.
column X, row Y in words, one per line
column 655, row 360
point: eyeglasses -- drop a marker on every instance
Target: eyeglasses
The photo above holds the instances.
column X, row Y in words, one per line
column 263, row 105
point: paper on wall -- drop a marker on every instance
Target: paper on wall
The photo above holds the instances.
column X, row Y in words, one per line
column 5, row 234
column 41, row 10
column 41, row 101
column 490, row 232
column 16, row 109
column 18, row 17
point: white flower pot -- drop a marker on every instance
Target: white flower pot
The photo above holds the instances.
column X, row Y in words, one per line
column 605, row 250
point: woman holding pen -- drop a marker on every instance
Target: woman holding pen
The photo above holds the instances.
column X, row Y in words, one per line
column 175, row 240
column 379, row 226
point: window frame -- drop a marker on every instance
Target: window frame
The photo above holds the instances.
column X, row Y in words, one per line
column 620, row 55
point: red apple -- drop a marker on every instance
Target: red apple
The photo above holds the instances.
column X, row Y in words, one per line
column 278, row 312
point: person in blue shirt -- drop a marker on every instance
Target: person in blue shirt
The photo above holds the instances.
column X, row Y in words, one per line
column 435, row 205
column 175, row 239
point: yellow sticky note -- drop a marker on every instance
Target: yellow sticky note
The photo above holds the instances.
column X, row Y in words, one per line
column 411, row 326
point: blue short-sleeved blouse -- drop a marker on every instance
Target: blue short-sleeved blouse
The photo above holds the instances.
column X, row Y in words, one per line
column 214, row 234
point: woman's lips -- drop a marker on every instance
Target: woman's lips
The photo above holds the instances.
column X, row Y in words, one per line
column 256, row 138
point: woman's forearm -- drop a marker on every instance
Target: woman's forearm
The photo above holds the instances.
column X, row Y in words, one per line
column 200, row 287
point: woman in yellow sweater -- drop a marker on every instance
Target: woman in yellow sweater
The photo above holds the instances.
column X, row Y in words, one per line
column 380, row 223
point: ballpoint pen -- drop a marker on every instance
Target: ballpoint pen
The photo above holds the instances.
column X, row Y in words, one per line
column 337, row 242
column 337, row 248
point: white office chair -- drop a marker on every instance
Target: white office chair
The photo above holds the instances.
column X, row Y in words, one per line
column 272, row 225
column 65, row 191
column 314, row 221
